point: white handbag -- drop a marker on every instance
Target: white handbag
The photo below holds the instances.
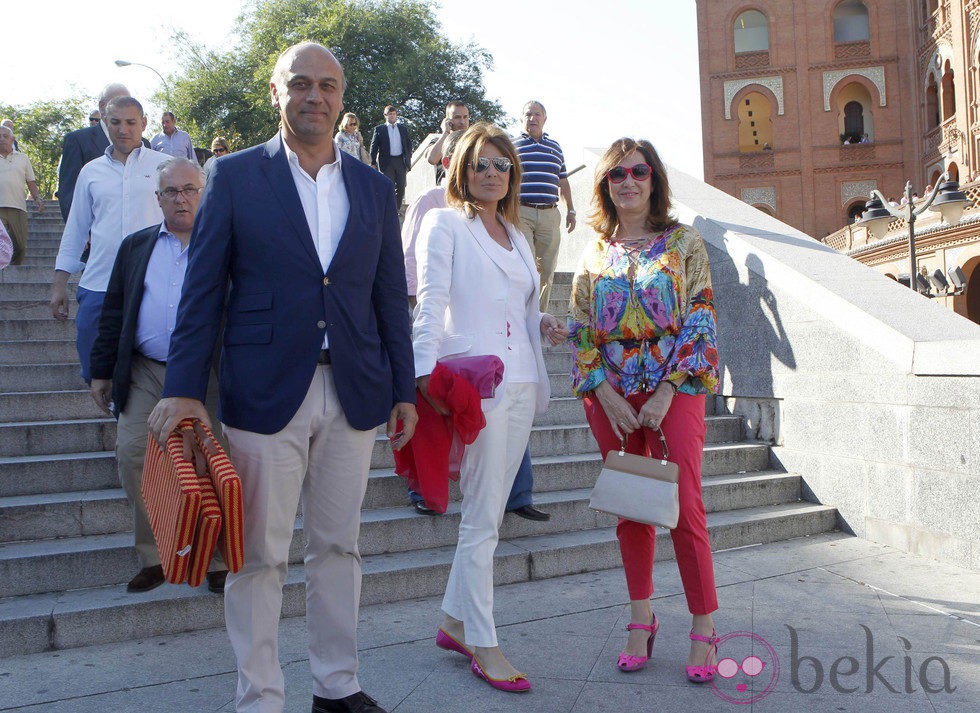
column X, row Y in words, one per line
column 638, row 488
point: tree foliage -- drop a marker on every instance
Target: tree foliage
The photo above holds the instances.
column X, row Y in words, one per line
column 40, row 128
column 393, row 52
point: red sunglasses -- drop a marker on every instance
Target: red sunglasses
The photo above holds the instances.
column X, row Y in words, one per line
column 639, row 172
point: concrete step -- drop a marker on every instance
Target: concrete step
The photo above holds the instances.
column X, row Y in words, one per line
column 12, row 330
column 43, row 622
column 14, row 291
column 34, row 274
column 29, row 438
column 103, row 510
column 24, row 309
column 73, row 562
column 33, row 352
column 39, row 377
column 48, row 405
column 57, row 473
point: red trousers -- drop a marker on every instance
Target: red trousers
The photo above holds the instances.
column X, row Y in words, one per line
column 684, row 428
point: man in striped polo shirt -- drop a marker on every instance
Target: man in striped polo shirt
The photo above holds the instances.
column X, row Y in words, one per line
column 543, row 180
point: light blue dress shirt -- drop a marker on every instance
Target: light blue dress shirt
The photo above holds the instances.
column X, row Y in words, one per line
column 161, row 296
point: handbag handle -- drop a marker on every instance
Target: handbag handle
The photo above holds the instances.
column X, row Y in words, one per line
column 663, row 445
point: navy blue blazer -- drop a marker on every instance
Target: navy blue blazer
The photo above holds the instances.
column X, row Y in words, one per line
column 79, row 148
column 251, row 230
column 381, row 146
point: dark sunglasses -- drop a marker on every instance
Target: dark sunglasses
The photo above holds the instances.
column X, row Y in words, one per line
column 218, row 149
column 639, row 172
column 499, row 162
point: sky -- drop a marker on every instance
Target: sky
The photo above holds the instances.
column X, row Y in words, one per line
column 603, row 70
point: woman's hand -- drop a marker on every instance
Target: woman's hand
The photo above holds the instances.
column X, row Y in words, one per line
column 622, row 417
column 553, row 329
column 655, row 408
column 423, row 385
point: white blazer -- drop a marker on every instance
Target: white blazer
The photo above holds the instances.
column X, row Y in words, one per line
column 462, row 296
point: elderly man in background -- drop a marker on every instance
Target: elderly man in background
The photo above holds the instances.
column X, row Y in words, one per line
column 115, row 196
column 129, row 358
column 83, row 145
column 543, row 179
column 172, row 141
column 9, row 123
column 15, row 173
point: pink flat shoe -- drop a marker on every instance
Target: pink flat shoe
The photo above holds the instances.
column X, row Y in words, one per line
column 703, row 674
column 629, row 662
column 445, row 641
column 514, row 684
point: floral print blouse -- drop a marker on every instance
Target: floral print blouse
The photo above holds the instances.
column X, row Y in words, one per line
column 641, row 315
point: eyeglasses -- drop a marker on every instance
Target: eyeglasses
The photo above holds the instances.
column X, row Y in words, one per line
column 94, row 120
column 501, row 164
column 218, row 149
column 639, row 172
column 172, row 193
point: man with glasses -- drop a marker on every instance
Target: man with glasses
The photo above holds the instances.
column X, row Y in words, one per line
column 543, row 179
column 94, row 118
column 114, row 196
column 129, row 358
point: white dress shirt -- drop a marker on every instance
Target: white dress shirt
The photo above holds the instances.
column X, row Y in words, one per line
column 161, row 295
column 325, row 205
column 394, row 140
column 111, row 200
column 521, row 361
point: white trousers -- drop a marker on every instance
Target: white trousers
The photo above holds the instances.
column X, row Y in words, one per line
column 486, row 476
column 318, row 456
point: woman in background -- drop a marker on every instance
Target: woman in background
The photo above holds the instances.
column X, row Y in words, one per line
column 349, row 138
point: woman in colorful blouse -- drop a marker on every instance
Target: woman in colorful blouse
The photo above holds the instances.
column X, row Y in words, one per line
column 348, row 137
column 643, row 328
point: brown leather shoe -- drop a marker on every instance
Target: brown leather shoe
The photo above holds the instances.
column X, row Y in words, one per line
column 147, row 579
column 216, row 581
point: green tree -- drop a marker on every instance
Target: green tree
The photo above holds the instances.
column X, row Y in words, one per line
column 393, row 52
column 40, row 129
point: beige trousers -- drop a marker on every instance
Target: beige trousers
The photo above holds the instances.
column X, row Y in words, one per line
column 319, row 458
column 542, row 228
column 15, row 220
column 145, row 387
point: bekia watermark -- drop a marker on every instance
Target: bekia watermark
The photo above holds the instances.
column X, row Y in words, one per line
column 748, row 669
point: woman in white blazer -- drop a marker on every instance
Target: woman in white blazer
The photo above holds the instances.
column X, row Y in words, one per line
column 478, row 295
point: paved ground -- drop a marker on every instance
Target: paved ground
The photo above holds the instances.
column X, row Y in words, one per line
column 846, row 602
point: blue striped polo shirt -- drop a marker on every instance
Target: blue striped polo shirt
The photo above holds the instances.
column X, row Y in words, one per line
column 542, row 165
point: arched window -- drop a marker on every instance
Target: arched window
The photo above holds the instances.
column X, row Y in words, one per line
column 755, row 123
column 851, row 22
column 949, row 92
column 954, row 172
column 855, row 121
column 854, row 212
column 764, row 208
column 932, row 103
column 751, row 32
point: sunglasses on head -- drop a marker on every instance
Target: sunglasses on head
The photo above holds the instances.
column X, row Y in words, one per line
column 499, row 162
column 639, row 172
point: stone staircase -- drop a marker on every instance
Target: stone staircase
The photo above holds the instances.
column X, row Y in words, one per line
column 65, row 532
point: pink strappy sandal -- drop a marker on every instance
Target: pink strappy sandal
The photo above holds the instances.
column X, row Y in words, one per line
column 629, row 662
column 703, row 674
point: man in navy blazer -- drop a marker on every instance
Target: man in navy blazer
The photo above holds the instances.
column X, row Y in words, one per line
column 391, row 151
column 82, row 146
column 316, row 354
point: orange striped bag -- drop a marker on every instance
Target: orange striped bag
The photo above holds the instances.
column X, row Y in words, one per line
column 173, row 494
column 206, row 534
column 228, row 486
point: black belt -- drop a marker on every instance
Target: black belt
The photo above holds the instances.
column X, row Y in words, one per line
column 324, row 357
column 539, row 206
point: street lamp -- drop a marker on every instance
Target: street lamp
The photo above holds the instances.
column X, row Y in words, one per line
column 946, row 198
column 166, row 86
